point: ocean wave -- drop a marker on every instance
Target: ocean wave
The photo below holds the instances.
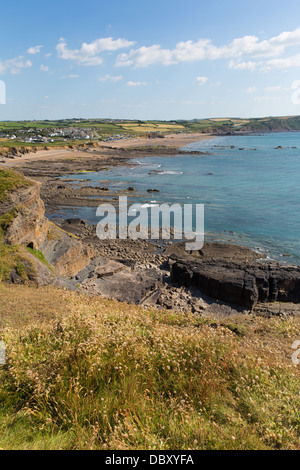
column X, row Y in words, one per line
column 170, row 172
column 145, row 206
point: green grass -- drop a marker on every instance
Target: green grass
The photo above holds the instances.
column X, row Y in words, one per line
column 14, row 258
column 21, row 270
column 39, row 255
column 9, row 181
column 6, row 220
column 106, row 128
column 99, row 374
column 18, row 144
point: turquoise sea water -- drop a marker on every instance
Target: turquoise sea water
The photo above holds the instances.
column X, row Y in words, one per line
column 251, row 196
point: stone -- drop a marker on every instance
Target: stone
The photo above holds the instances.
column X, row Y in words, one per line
column 109, row 269
column 240, row 283
column 30, row 228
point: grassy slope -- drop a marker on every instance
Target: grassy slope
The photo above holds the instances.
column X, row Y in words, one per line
column 87, row 373
column 9, row 181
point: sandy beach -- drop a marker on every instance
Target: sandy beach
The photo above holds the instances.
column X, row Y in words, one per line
column 171, row 141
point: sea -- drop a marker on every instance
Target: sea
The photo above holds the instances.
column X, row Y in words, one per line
column 249, row 185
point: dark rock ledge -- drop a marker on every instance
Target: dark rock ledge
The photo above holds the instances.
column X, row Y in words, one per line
column 239, row 283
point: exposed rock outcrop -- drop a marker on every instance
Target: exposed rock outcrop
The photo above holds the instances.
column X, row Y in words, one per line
column 240, row 283
column 29, row 227
column 65, row 252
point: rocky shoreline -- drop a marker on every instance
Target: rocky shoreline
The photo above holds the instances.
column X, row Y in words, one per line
column 219, row 279
column 58, row 190
column 152, row 273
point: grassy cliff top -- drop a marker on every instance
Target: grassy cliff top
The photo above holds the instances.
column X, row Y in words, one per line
column 9, row 181
column 89, row 373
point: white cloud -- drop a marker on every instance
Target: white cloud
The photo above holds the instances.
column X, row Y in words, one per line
column 242, row 65
column 287, row 38
column 44, row 68
column 251, row 89
column 133, row 84
column 108, row 101
column 134, row 105
column 15, row 65
column 34, row 50
column 204, row 49
column 190, row 103
column 283, row 63
column 145, row 56
column 88, row 54
column 70, row 76
column 273, row 89
column 296, row 85
column 201, row 80
column 110, row 78
column 261, row 99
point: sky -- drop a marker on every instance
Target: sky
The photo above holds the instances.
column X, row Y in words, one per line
column 159, row 60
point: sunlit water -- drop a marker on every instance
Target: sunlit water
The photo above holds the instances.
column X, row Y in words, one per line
column 251, row 196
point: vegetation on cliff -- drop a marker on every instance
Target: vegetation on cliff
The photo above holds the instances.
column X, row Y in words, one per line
column 28, row 239
column 9, row 181
column 11, row 257
column 88, row 373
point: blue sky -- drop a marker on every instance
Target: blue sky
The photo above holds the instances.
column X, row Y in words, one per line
column 150, row 60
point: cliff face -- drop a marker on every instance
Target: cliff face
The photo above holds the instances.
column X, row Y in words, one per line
column 29, row 227
column 65, row 252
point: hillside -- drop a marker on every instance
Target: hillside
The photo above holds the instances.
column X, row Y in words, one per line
column 88, row 373
column 283, row 124
column 19, row 137
column 84, row 372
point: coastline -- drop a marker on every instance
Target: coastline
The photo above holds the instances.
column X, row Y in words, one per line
column 171, row 141
column 148, row 272
column 67, row 197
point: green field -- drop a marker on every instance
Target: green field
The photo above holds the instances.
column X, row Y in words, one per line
column 105, row 128
column 57, row 143
column 115, row 127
